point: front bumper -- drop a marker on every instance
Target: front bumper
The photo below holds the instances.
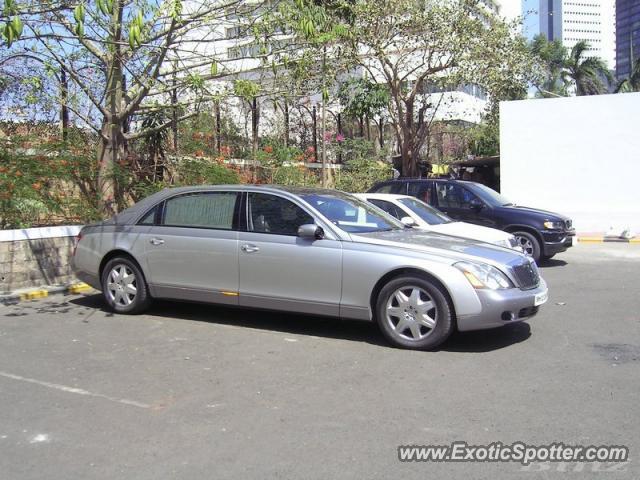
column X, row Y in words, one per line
column 556, row 242
column 502, row 307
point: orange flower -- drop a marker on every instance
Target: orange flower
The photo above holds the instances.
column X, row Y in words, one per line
column 18, row 173
column 36, row 186
column 268, row 149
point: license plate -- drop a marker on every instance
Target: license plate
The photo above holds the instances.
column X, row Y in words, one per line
column 541, row 298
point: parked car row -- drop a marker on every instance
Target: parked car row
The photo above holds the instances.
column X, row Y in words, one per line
column 418, row 214
column 541, row 234
column 311, row 251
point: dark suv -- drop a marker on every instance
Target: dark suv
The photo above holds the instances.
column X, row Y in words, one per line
column 541, row 234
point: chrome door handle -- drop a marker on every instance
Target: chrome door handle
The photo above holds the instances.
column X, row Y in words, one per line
column 248, row 248
column 156, row 241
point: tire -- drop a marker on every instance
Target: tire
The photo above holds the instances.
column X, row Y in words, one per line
column 529, row 244
column 422, row 327
column 544, row 258
column 124, row 287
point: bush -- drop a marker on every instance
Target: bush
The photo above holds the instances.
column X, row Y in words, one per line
column 294, row 176
column 197, row 171
column 361, row 174
column 46, row 188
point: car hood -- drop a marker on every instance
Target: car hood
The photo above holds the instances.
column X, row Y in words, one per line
column 451, row 247
column 543, row 214
column 469, row 230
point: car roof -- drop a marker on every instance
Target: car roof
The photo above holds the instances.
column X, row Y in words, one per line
column 132, row 213
column 382, row 196
column 452, row 180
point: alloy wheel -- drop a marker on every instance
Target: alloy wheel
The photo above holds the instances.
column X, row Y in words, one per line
column 122, row 285
column 411, row 313
column 525, row 243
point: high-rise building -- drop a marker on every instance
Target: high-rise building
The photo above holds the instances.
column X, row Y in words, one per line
column 572, row 21
column 627, row 36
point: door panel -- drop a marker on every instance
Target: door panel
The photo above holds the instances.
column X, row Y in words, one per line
column 193, row 253
column 193, row 264
column 280, row 270
column 455, row 200
column 290, row 273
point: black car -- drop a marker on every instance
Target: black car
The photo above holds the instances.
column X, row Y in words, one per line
column 541, row 234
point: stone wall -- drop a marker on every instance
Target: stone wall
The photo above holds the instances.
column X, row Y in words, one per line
column 34, row 262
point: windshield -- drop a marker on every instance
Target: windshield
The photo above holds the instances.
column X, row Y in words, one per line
column 491, row 196
column 350, row 213
column 424, row 211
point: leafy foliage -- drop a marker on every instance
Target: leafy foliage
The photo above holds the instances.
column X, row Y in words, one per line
column 361, row 97
column 563, row 69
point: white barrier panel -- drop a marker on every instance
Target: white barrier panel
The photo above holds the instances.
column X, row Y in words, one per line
column 37, row 233
column 578, row 155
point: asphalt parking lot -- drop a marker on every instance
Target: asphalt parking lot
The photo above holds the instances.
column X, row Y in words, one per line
column 194, row 392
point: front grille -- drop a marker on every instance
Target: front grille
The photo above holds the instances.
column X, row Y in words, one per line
column 527, row 275
column 568, row 224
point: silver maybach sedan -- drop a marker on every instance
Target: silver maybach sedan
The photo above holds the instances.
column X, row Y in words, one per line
column 305, row 250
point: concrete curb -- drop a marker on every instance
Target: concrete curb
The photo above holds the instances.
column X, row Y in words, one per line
column 42, row 292
column 604, row 239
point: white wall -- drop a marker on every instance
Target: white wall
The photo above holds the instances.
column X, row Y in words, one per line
column 579, row 156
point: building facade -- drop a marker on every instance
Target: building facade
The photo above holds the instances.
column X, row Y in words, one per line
column 572, row 21
column 627, row 36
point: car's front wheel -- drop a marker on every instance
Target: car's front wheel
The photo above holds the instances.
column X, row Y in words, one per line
column 529, row 243
column 124, row 287
column 415, row 313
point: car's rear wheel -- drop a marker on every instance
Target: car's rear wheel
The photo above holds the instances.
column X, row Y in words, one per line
column 413, row 312
column 529, row 243
column 124, row 287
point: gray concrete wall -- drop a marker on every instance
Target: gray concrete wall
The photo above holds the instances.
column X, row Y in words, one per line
column 35, row 262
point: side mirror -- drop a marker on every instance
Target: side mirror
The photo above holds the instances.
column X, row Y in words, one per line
column 408, row 222
column 476, row 205
column 310, row 231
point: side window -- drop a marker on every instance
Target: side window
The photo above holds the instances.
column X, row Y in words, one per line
column 385, row 188
column 392, row 187
column 422, row 191
column 201, row 210
column 454, row 196
column 149, row 218
column 272, row 214
column 388, row 207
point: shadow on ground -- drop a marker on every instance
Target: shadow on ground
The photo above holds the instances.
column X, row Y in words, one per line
column 552, row 262
column 357, row 331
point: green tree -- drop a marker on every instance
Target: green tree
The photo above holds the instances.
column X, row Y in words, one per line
column 122, row 58
column 363, row 99
column 586, row 73
column 552, row 57
column 421, row 48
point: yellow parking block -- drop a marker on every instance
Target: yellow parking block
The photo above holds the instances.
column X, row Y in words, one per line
column 34, row 294
column 634, row 240
column 591, row 239
column 79, row 288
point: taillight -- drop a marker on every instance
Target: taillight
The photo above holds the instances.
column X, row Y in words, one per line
column 77, row 241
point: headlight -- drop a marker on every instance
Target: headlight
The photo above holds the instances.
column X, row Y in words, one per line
column 553, row 225
column 481, row 275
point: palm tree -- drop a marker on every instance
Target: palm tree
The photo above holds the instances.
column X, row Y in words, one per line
column 552, row 56
column 632, row 83
column 586, row 73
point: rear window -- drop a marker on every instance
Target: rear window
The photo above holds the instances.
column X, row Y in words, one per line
column 201, row 210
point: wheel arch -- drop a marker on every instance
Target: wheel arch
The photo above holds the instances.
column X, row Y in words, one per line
column 528, row 229
column 118, row 253
column 387, row 277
